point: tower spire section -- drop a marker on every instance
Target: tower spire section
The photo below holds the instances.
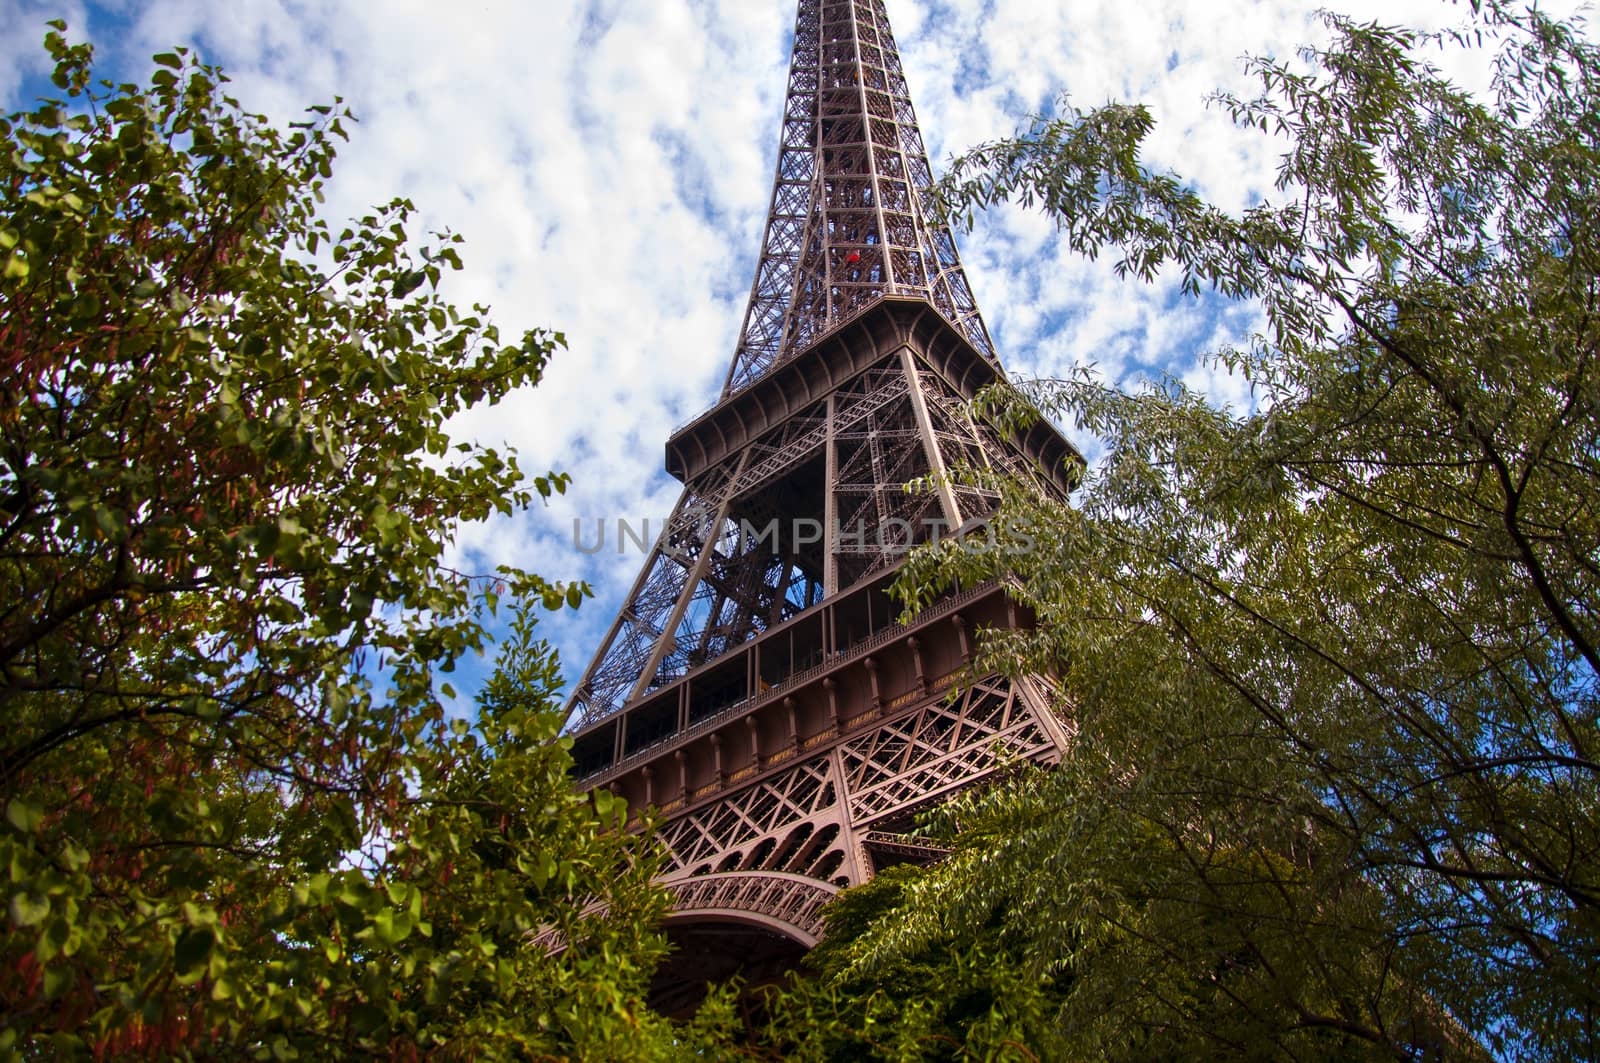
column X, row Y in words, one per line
column 851, row 217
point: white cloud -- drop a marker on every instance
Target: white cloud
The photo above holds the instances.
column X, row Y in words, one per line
column 609, row 165
column 22, row 28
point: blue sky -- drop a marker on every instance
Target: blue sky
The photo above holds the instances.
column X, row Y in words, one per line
column 609, row 164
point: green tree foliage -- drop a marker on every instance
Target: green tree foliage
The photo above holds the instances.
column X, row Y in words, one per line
column 238, row 818
column 967, row 992
column 1332, row 661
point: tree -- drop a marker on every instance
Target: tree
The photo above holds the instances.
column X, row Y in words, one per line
column 239, row 819
column 967, row 992
column 1332, row 661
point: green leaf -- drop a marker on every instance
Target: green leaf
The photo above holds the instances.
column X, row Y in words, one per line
column 392, row 927
column 24, row 816
column 407, row 283
column 28, row 909
column 107, row 520
column 54, row 939
column 167, row 59
column 57, row 979
column 543, row 868
column 192, row 952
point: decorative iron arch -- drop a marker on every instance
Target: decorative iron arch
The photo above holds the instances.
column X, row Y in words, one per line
column 786, row 903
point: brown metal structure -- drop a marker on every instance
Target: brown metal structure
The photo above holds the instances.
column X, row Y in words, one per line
column 758, row 688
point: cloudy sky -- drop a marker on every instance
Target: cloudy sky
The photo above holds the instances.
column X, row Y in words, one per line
column 609, row 164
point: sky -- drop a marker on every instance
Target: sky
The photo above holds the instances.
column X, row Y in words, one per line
column 609, row 164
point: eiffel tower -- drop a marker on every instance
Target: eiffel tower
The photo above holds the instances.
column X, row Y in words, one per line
column 757, row 688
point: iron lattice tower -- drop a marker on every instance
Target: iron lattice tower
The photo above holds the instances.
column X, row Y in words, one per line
column 756, row 688
column 849, row 216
